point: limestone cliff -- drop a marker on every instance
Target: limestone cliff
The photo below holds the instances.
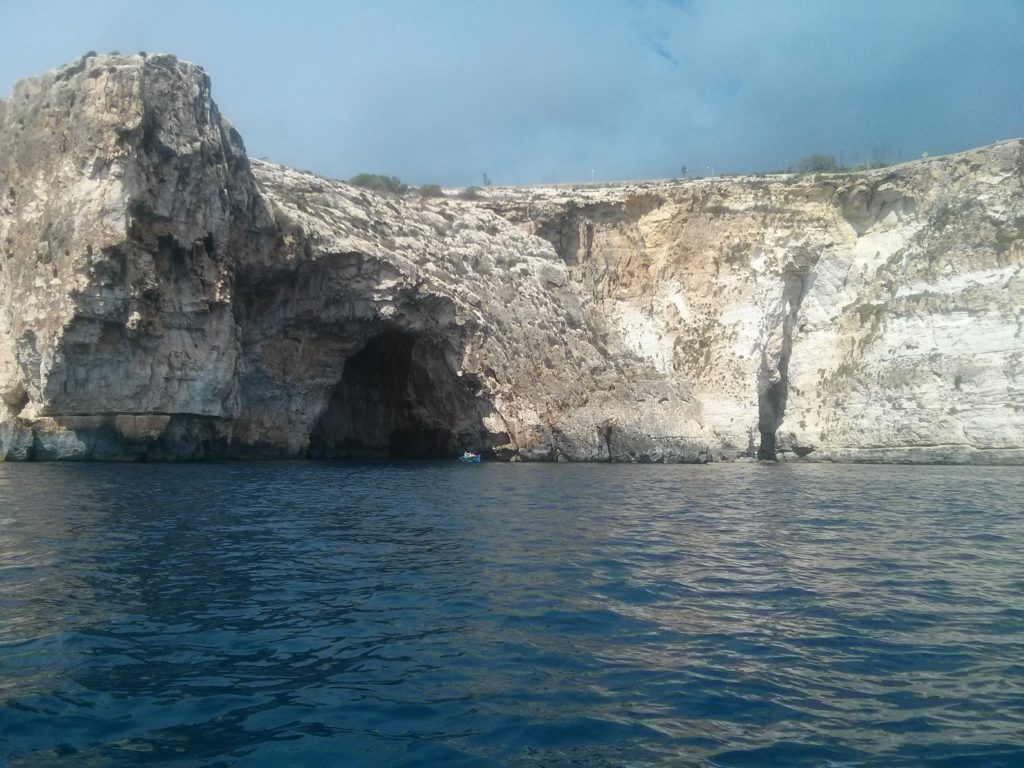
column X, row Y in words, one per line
column 127, row 201
column 872, row 316
column 163, row 297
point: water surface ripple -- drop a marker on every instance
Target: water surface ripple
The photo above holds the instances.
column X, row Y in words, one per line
column 534, row 615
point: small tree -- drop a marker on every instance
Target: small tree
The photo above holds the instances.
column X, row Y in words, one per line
column 431, row 190
column 682, row 171
column 379, row 183
column 818, row 164
column 487, row 180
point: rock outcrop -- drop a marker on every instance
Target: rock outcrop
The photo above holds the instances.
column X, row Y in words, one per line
column 164, row 297
column 875, row 316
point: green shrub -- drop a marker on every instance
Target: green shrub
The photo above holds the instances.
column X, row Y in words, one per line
column 819, row 164
column 379, row 183
column 431, row 190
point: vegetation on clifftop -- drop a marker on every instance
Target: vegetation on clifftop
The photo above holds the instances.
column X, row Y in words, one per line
column 379, row 183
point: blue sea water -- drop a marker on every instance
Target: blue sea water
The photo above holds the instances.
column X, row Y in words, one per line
column 361, row 614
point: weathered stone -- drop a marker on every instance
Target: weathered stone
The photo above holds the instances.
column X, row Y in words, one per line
column 871, row 316
column 163, row 298
column 144, row 428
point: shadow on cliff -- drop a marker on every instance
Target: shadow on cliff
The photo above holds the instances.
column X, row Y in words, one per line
column 342, row 360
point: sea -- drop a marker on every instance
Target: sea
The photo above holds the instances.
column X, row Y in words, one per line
column 439, row 614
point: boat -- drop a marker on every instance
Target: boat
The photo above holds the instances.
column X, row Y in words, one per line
column 469, row 458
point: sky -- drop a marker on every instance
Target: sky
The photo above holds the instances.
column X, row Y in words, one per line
column 541, row 91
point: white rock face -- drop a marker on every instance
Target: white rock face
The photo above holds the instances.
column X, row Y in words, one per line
column 921, row 321
column 490, row 310
column 164, row 298
column 126, row 201
column 873, row 316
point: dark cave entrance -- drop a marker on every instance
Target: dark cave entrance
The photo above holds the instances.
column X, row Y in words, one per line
column 771, row 408
column 399, row 397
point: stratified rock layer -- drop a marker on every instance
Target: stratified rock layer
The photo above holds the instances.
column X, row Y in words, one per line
column 163, row 297
column 872, row 316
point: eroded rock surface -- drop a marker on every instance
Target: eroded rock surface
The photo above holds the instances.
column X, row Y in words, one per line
column 127, row 201
column 466, row 333
column 163, row 297
column 872, row 316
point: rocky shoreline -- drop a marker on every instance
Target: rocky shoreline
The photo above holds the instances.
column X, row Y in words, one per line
column 162, row 297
